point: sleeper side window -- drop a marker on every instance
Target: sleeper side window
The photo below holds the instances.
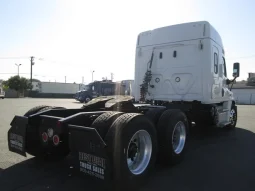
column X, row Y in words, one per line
column 216, row 65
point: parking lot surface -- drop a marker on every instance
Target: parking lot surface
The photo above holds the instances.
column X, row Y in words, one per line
column 216, row 159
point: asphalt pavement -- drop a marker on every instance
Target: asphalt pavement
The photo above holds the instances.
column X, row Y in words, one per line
column 215, row 159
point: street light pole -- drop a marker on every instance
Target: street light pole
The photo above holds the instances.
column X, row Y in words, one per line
column 18, row 65
column 92, row 75
column 31, row 73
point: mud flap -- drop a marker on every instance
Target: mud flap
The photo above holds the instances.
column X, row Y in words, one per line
column 17, row 135
column 89, row 152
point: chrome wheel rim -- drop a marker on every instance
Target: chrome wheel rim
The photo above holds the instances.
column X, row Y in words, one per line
column 87, row 100
column 179, row 137
column 232, row 117
column 139, row 152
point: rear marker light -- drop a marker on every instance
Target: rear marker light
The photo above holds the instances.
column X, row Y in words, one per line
column 56, row 139
column 44, row 137
column 58, row 124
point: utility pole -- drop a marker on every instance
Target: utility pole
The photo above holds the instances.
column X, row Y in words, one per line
column 65, row 79
column 31, row 75
column 112, row 76
column 82, row 79
column 18, row 65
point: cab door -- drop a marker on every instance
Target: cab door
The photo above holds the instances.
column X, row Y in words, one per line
column 216, row 87
column 224, row 78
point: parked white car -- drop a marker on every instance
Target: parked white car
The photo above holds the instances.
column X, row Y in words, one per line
column 2, row 94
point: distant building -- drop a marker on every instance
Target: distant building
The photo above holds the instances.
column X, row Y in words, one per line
column 251, row 75
column 244, row 91
column 251, row 79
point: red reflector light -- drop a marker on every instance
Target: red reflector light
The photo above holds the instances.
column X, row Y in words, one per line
column 44, row 137
column 56, row 139
column 58, row 124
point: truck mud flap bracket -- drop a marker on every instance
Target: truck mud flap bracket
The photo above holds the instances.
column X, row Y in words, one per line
column 17, row 135
column 89, row 152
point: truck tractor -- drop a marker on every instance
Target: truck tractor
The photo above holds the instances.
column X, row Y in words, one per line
column 96, row 89
column 180, row 79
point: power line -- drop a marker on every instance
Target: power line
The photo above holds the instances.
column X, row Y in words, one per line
column 13, row 73
column 41, row 75
column 23, row 57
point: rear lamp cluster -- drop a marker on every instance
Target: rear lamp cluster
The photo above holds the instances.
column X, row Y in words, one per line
column 50, row 134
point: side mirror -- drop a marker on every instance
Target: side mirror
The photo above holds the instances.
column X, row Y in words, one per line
column 236, row 70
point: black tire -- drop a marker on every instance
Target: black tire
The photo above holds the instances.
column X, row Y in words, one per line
column 34, row 110
column 165, row 128
column 118, row 138
column 154, row 114
column 233, row 125
column 40, row 108
column 104, row 121
column 50, row 107
column 33, row 146
column 87, row 99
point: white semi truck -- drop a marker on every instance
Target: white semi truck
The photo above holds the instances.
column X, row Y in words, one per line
column 180, row 78
column 185, row 64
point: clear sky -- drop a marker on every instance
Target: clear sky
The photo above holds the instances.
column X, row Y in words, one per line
column 75, row 37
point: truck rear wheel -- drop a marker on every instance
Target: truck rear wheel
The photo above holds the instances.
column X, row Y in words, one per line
column 172, row 131
column 132, row 142
column 104, row 121
column 154, row 114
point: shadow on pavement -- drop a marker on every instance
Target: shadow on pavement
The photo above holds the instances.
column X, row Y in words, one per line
column 34, row 174
column 216, row 159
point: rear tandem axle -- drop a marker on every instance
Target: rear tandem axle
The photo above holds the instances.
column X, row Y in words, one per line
column 111, row 140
